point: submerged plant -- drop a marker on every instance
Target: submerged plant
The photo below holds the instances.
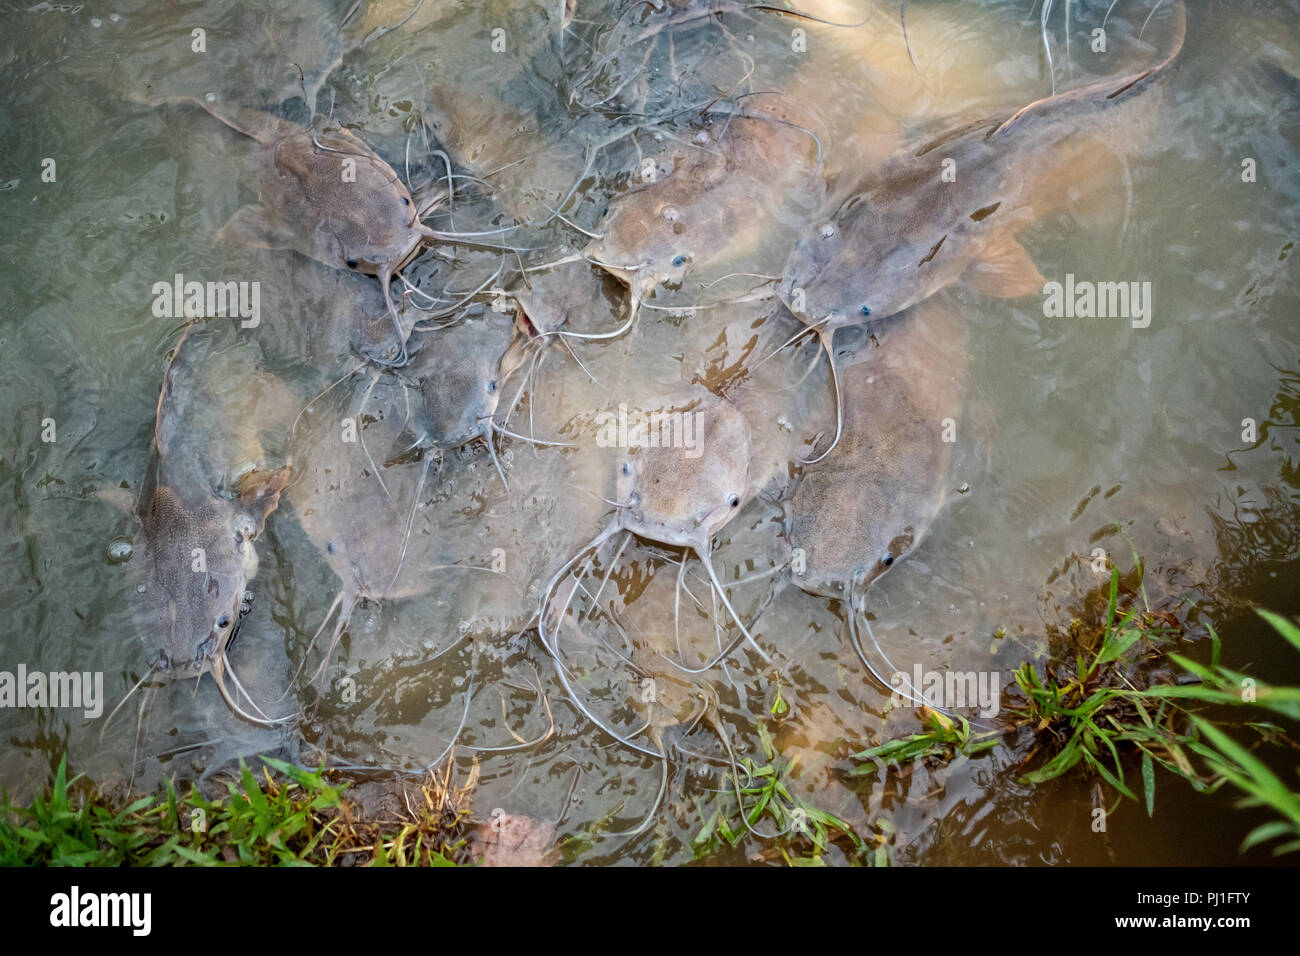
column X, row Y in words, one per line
column 762, row 797
column 944, row 740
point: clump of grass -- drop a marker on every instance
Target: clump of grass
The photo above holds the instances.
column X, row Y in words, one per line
column 1105, row 707
column 295, row 818
column 1082, row 709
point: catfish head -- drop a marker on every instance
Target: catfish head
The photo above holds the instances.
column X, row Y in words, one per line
column 367, row 221
column 200, row 560
column 841, row 273
column 460, row 378
column 648, row 241
column 682, row 492
column 707, row 206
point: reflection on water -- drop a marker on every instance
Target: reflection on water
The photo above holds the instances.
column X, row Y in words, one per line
column 1071, row 434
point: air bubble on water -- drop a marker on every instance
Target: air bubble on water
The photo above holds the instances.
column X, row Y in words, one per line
column 139, row 589
column 96, row 22
column 115, row 17
column 963, row 488
column 119, row 551
column 210, row 96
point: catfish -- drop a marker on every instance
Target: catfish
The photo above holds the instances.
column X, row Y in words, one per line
column 204, row 503
column 459, row 374
column 909, row 232
column 715, row 204
column 858, row 514
column 328, row 196
column 678, row 493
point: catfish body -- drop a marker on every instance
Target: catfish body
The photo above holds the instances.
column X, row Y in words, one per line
column 950, row 211
column 859, row 512
column 205, row 500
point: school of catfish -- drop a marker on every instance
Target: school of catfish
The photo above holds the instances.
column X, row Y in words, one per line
column 620, row 327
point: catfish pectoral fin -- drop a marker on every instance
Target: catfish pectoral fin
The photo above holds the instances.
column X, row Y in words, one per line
column 260, row 489
column 406, row 449
column 253, row 226
column 1004, row 270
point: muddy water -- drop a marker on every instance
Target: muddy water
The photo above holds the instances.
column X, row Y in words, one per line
column 1074, row 434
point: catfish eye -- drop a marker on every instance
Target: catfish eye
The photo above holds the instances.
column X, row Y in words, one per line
column 491, row 387
column 887, row 560
column 865, row 310
column 679, row 260
column 734, row 501
column 352, row 263
column 405, row 201
column 223, row 622
column 827, row 231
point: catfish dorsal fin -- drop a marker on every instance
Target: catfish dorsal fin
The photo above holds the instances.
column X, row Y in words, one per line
column 1004, row 270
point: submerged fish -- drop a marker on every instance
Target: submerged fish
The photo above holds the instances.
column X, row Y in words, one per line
column 857, row 514
column 459, row 376
column 411, row 527
column 715, row 203
column 330, row 197
column 685, row 474
column 204, row 502
column 914, row 230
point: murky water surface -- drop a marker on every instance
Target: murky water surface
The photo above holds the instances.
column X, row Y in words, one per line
column 1071, row 434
